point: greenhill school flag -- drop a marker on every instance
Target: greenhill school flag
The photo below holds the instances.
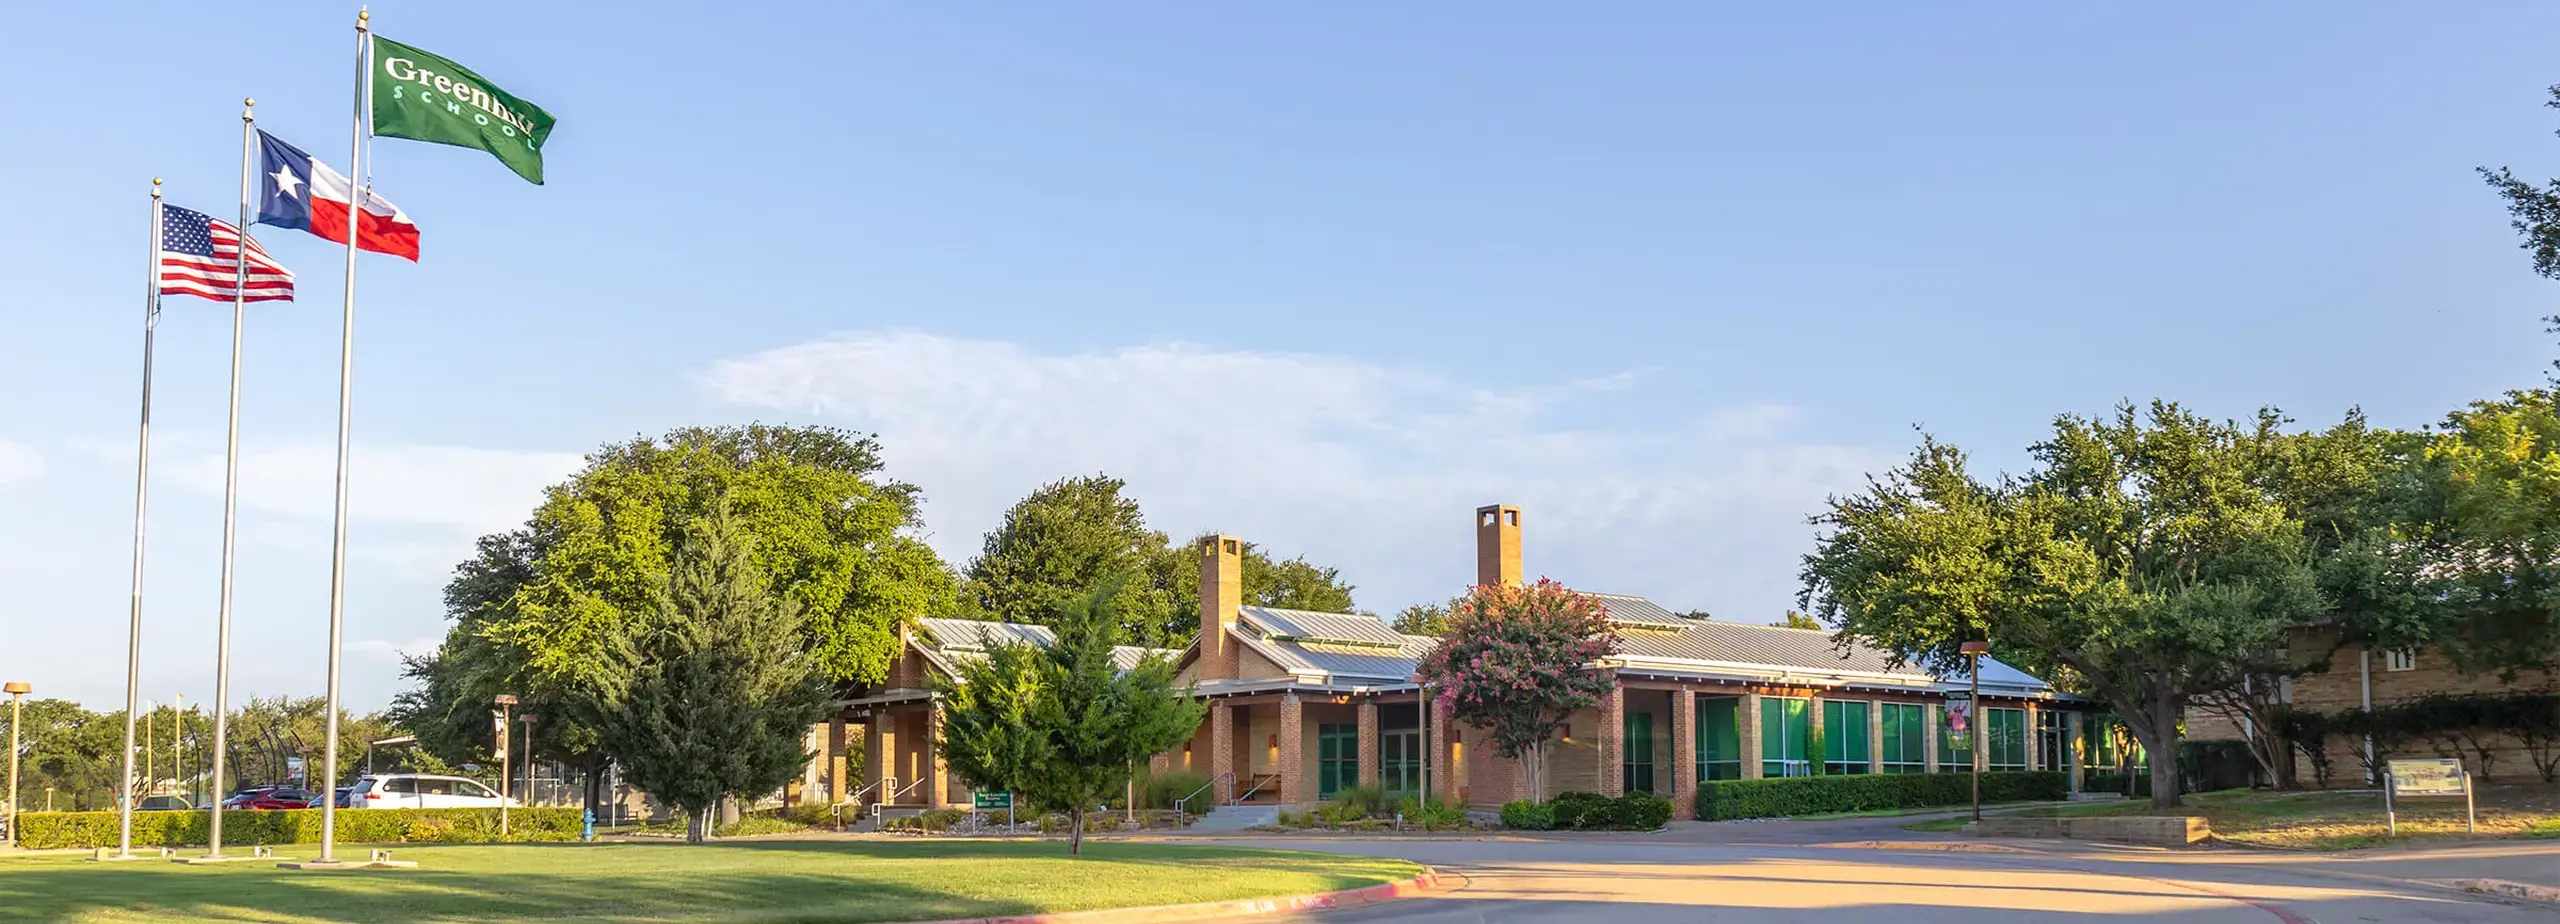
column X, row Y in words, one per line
column 423, row 97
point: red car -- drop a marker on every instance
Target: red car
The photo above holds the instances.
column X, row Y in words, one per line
column 271, row 797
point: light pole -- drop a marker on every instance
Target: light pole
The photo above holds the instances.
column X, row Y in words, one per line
column 1973, row 652
column 506, row 705
column 527, row 720
column 18, row 690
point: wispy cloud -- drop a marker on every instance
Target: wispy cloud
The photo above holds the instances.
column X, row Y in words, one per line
column 19, row 462
column 1369, row 466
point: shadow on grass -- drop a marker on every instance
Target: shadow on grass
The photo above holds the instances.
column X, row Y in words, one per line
column 769, row 881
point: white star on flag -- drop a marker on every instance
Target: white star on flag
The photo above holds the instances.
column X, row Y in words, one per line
column 286, row 181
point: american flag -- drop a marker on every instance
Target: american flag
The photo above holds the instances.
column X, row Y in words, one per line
column 201, row 256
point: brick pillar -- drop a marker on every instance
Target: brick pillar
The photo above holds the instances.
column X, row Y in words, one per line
column 1444, row 758
column 1875, row 737
column 876, row 741
column 1368, row 742
column 1222, row 750
column 1684, row 754
column 1746, row 726
column 1293, row 763
column 937, row 786
column 1813, row 740
column 1613, row 741
column 2035, row 738
column 1930, row 716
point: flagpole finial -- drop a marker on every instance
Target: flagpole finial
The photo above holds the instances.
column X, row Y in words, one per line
column 155, row 187
column 247, row 104
column 364, row 16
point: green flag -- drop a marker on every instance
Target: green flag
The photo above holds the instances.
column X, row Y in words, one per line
column 420, row 96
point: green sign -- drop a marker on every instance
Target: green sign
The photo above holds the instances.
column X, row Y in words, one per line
column 420, row 96
column 992, row 800
column 2428, row 777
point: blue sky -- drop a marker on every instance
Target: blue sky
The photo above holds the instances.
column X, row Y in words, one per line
column 1324, row 275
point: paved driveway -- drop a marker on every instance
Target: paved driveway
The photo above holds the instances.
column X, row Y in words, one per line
column 1665, row 881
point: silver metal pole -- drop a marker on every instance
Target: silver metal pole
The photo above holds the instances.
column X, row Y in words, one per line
column 346, row 391
column 141, row 503
column 16, row 692
column 230, row 493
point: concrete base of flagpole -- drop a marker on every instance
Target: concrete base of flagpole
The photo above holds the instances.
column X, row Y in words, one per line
column 109, row 855
column 381, row 859
column 254, row 854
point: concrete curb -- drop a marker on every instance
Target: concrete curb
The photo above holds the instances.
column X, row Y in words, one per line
column 2531, row 893
column 1247, row 907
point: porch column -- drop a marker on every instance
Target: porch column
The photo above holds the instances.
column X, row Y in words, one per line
column 1930, row 716
column 937, row 779
column 1684, row 753
column 1444, row 757
column 2035, row 738
column 1368, row 742
column 876, row 741
column 1222, row 750
column 1613, row 740
column 1875, row 737
column 1746, row 725
column 1293, row 771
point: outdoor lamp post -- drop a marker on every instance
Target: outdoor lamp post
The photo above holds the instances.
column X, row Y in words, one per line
column 18, row 690
column 527, row 719
column 506, row 705
column 1973, row 652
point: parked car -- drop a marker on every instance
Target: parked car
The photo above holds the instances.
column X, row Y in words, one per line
column 163, row 804
column 282, row 797
column 418, row 790
column 242, row 798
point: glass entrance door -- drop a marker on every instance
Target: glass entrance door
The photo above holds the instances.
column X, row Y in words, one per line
column 1400, row 761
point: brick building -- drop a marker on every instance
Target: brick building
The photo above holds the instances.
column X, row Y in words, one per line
column 1302, row 704
column 2343, row 676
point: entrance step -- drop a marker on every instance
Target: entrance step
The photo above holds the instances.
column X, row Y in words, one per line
column 1237, row 818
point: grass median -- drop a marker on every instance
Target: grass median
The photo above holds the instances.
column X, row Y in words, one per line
column 766, row 881
column 2330, row 820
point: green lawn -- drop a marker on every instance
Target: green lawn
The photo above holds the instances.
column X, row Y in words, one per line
column 2331, row 820
column 772, row 881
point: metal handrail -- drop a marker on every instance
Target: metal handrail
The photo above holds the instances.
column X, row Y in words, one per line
column 1257, row 787
column 855, row 798
column 1183, row 804
column 891, row 795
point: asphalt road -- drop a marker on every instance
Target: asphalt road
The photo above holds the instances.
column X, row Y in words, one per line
column 1730, row 883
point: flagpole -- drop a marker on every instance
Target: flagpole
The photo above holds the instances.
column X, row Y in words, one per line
column 141, row 502
column 346, row 386
column 230, row 493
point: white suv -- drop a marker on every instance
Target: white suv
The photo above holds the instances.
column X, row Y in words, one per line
column 413, row 790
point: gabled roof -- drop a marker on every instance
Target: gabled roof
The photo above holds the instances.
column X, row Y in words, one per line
column 1349, row 650
column 950, row 642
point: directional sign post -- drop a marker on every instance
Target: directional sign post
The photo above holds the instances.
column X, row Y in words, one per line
column 2435, row 776
column 991, row 801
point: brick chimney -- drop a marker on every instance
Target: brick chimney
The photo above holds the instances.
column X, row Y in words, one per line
column 1221, row 602
column 1498, row 545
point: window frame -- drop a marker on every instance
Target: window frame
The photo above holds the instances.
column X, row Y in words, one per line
column 1635, row 775
column 1719, row 763
column 2398, row 660
column 1906, row 733
column 1848, row 731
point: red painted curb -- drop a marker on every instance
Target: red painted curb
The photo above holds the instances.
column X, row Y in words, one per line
column 1246, row 907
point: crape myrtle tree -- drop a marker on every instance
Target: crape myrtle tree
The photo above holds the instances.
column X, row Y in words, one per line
column 710, row 694
column 1517, row 661
column 534, row 605
column 2145, row 555
column 1063, row 726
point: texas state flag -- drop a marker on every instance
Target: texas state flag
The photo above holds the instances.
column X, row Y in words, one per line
column 301, row 192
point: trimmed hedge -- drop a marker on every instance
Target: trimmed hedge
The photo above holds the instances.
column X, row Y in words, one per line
column 1584, row 811
column 1808, row 795
column 1524, row 815
column 53, row 830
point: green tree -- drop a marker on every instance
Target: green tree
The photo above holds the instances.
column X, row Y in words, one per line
column 1516, row 661
column 534, row 605
column 2494, row 545
column 2145, row 556
column 713, row 693
column 1067, row 537
column 1796, row 619
column 2534, row 211
column 1063, row 726
column 1294, row 584
column 1430, row 619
